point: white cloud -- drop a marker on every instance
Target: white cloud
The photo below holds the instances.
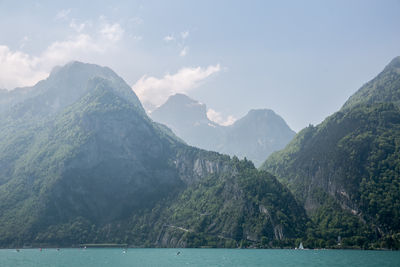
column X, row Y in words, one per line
column 63, row 14
column 79, row 27
column 184, row 35
column 153, row 91
column 21, row 69
column 112, row 32
column 179, row 41
column 169, row 38
column 217, row 117
column 76, row 47
column 184, row 51
column 18, row 68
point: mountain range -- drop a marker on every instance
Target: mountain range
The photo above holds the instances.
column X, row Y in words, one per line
column 255, row 136
column 82, row 163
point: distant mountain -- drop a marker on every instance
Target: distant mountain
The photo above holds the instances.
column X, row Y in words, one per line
column 254, row 136
column 187, row 118
column 82, row 163
column 345, row 171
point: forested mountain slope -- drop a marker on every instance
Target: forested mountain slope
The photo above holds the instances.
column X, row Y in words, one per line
column 346, row 170
column 82, row 163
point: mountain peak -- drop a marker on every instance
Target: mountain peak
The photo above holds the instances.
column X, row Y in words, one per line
column 183, row 107
column 254, row 136
column 394, row 64
column 384, row 88
column 188, row 119
column 65, row 85
column 74, row 78
column 261, row 112
column 181, row 96
column 182, row 99
column 266, row 117
column 70, row 65
column 81, row 70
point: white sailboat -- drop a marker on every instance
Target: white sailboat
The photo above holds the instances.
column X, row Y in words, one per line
column 300, row 246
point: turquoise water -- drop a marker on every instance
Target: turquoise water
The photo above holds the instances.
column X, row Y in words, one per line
column 196, row 257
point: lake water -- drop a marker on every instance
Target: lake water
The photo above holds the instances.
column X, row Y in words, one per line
column 96, row 257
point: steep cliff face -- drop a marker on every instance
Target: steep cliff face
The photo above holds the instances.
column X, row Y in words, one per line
column 196, row 164
column 333, row 155
column 239, row 204
column 346, row 168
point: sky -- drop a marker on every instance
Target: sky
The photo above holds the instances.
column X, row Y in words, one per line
column 302, row 59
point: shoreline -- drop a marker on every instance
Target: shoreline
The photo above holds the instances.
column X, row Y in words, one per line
column 115, row 246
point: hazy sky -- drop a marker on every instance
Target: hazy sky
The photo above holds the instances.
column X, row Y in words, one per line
column 302, row 59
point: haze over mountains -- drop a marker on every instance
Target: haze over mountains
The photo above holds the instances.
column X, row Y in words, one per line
column 82, row 163
column 255, row 136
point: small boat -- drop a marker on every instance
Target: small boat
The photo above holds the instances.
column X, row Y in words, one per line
column 300, row 246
